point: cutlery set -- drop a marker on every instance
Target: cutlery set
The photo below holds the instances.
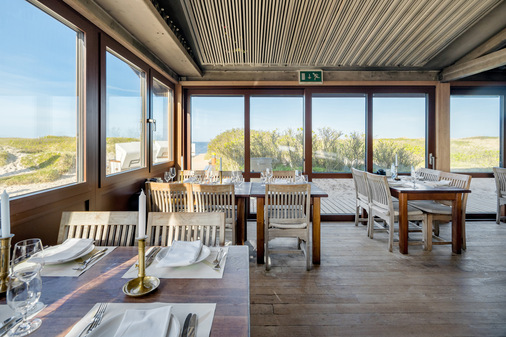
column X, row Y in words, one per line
column 94, row 257
column 95, row 321
column 219, row 258
column 190, row 326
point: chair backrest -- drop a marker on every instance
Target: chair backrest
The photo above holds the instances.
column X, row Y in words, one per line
column 106, row 228
column 165, row 197
column 215, row 198
column 500, row 181
column 164, row 228
column 186, row 174
column 429, row 174
column 379, row 192
column 457, row 180
column 360, row 181
column 287, row 204
column 289, row 175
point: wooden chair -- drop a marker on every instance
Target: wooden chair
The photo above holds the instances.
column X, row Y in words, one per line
column 163, row 228
column 187, row 174
column 361, row 194
column 287, row 214
column 441, row 211
column 106, row 228
column 383, row 207
column 217, row 198
column 429, row 174
column 165, row 197
column 500, row 185
column 288, row 175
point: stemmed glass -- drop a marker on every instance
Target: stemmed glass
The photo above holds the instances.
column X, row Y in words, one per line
column 166, row 177
column 25, row 284
column 172, row 173
column 268, row 174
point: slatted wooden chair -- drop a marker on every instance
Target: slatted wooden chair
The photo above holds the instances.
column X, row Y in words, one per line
column 164, row 228
column 288, row 175
column 361, row 195
column 500, row 185
column 165, row 197
column 383, row 207
column 287, row 214
column 429, row 174
column 441, row 211
column 106, row 228
column 184, row 175
column 217, row 198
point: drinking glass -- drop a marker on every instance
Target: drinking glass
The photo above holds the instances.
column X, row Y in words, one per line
column 268, row 175
column 25, row 284
column 166, row 176
column 172, row 173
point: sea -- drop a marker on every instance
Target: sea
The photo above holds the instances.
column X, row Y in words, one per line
column 200, row 147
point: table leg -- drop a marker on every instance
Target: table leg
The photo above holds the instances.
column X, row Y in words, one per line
column 241, row 221
column 316, row 230
column 403, row 223
column 457, row 224
column 260, row 230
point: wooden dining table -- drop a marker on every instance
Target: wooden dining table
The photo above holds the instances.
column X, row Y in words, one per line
column 424, row 192
column 68, row 299
column 257, row 190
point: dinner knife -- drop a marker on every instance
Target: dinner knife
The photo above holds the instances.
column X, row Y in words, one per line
column 192, row 328
column 11, row 322
column 186, row 325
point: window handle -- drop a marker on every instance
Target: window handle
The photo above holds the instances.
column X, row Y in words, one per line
column 153, row 121
column 432, row 160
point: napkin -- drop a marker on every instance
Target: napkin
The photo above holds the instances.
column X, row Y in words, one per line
column 67, row 250
column 181, row 253
column 281, row 181
column 438, row 183
column 152, row 322
column 226, row 180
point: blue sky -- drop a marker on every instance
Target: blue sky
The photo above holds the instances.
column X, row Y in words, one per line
column 30, row 71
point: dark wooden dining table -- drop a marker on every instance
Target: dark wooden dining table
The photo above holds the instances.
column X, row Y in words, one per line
column 424, row 192
column 68, row 299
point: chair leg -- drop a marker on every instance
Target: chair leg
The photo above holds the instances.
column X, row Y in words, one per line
column 308, row 254
column 464, row 246
column 427, row 232
column 498, row 215
column 357, row 212
column 266, row 249
column 370, row 226
column 391, row 234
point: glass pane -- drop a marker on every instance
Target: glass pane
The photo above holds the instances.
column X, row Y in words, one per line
column 338, row 133
column 474, row 133
column 217, row 132
column 124, row 115
column 399, row 131
column 39, row 99
column 277, row 133
column 162, row 114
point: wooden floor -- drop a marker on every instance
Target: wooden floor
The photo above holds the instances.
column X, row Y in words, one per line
column 361, row 289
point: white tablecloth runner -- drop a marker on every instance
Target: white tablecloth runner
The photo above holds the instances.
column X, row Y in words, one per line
column 66, row 269
column 204, row 311
column 202, row 269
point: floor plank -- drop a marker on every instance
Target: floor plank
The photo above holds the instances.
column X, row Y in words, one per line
column 361, row 289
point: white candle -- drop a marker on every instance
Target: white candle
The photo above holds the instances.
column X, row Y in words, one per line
column 6, row 215
column 220, row 165
column 396, row 160
column 141, row 231
column 182, row 163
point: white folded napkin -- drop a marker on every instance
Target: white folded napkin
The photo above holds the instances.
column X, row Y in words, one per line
column 438, row 183
column 181, row 253
column 226, row 180
column 152, row 322
column 281, row 181
column 67, row 250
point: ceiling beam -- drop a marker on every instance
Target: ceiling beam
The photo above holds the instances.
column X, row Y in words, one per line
column 478, row 65
column 492, row 44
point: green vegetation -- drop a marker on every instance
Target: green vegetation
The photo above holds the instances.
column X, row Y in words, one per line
column 4, row 158
column 334, row 151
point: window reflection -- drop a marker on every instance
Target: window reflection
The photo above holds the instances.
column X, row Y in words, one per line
column 162, row 114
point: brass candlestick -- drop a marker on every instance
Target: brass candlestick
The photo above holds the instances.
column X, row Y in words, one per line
column 143, row 284
column 5, row 249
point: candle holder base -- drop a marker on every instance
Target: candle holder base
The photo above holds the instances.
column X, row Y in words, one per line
column 5, row 251
column 141, row 286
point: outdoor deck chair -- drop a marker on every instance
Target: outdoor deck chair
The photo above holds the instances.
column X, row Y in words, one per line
column 500, row 185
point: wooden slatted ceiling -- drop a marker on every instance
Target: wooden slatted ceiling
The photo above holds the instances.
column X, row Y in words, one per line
column 345, row 33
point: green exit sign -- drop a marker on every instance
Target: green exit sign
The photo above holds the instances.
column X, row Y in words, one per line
column 311, row 76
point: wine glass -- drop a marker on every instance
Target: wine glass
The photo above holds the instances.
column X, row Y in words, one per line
column 172, row 173
column 25, row 284
column 268, row 174
column 166, row 176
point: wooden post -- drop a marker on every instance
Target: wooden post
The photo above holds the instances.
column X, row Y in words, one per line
column 443, row 127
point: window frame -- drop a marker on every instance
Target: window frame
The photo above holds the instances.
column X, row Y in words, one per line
column 472, row 90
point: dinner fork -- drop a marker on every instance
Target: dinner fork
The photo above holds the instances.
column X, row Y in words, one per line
column 217, row 259
column 95, row 321
column 89, row 260
column 217, row 265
